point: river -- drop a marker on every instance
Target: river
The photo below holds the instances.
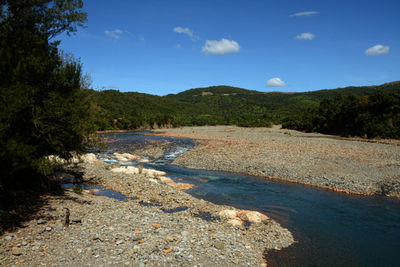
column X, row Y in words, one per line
column 330, row 229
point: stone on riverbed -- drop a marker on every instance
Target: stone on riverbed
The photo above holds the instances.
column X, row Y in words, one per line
column 87, row 158
column 180, row 186
column 252, row 216
column 243, row 215
column 125, row 157
column 228, row 213
column 134, row 170
column 235, row 222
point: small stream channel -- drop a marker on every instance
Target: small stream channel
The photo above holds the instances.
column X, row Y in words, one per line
column 331, row 229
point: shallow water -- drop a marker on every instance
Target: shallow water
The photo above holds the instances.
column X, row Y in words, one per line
column 331, row 229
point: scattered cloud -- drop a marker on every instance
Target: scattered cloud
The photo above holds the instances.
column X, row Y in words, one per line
column 275, row 82
column 188, row 32
column 223, row 47
column 305, row 36
column 178, row 46
column 377, row 50
column 116, row 34
column 305, row 13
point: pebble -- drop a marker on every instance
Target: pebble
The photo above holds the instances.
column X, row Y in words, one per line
column 219, row 245
column 41, row 221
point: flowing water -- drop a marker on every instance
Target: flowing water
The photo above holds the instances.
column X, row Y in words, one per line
column 330, row 229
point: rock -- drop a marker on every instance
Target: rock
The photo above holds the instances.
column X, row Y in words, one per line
column 252, row 216
column 156, row 226
column 170, row 239
column 16, row 251
column 93, row 191
column 125, row 157
column 59, row 226
column 137, row 237
column 127, row 170
column 89, row 158
column 144, row 161
column 119, row 242
column 24, row 243
column 235, row 222
column 168, row 250
column 41, row 221
column 48, row 229
column 8, row 238
column 166, row 180
column 219, row 245
column 153, row 173
column 76, row 220
column 228, row 213
column 182, row 186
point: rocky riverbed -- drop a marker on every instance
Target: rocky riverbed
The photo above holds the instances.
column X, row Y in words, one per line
column 158, row 225
column 341, row 164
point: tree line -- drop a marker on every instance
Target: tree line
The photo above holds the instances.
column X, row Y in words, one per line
column 372, row 116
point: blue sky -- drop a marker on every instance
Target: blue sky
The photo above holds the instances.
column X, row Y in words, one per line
column 161, row 47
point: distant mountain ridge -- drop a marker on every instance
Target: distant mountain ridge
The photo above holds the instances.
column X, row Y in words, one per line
column 213, row 105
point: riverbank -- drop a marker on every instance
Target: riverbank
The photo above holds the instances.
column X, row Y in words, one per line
column 158, row 225
column 343, row 165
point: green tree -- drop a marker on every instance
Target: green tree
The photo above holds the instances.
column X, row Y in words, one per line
column 43, row 109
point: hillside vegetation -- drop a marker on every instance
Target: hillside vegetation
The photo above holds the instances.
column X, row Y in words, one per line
column 227, row 106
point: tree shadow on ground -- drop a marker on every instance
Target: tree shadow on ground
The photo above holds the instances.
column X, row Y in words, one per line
column 22, row 202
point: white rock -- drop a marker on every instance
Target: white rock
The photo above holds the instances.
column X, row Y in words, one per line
column 228, row 213
column 127, row 170
column 89, row 158
column 125, row 157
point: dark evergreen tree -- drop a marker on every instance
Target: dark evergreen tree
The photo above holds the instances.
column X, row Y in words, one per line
column 43, row 109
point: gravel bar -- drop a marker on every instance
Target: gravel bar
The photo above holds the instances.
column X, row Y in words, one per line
column 158, row 225
column 347, row 165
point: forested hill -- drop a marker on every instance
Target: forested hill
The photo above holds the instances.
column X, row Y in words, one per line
column 213, row 105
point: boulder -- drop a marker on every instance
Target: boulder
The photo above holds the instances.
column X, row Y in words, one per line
column 153, row 173
column 89, row 158
column 252, row 216
column 127, row 170
column 125, row 157
column 228, row 214
column 243, row 215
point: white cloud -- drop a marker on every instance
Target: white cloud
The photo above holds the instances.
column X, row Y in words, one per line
column 377, row 50
column 305, row 13
column 225, row 46
column 116, row 34
column 275, row 82
column 305, row 36
column 178, row 46
column 188, row 32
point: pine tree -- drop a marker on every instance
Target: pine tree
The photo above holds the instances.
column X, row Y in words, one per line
column 43, row 109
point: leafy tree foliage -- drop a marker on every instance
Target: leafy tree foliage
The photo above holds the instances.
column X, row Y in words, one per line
column 218, row 105
column 376, row 115
column 43, row 110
